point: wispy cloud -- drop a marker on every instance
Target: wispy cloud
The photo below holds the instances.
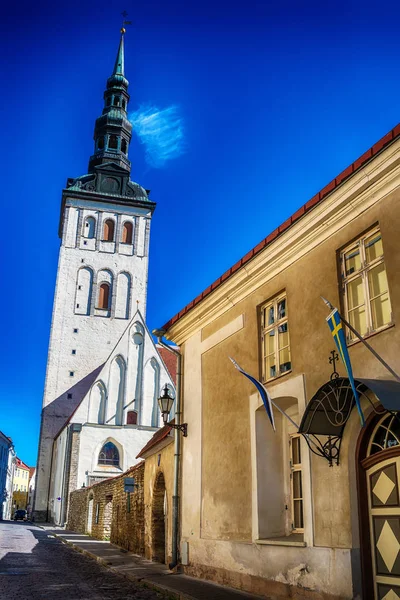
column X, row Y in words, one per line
column 161, row 131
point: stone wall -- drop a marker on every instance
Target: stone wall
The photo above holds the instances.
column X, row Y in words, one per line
column 116, row 515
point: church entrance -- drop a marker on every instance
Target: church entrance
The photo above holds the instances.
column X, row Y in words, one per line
column 158, row 520
column 379, row 503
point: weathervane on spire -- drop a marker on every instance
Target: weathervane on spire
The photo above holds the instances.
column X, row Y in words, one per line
column 124, row 21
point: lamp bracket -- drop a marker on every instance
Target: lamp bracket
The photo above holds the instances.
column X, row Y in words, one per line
column 182, row 427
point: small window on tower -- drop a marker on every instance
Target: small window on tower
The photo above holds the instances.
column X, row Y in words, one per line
column 123, row 146
column 104, row 296
column 71, row 373
column 127, row 231
column 124, row 104
column 100, row 143
column 108, row 231
column 113, row 142
column 69, row 396
column 109, row 101
column 116, row 100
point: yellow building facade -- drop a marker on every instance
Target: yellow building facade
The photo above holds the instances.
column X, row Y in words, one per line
column 20, row 485
column 295, row 511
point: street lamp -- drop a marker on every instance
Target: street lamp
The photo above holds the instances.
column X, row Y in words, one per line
column 165, row 403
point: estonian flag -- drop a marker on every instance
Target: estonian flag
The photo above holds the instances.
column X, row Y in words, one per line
column 262, row 391
column 335, row 325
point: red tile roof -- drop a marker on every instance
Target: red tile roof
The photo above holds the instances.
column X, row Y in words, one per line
column 382, row 143
column 21, row 465
column 159, row 435
column 170, row 360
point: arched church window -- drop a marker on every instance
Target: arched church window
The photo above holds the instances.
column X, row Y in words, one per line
column 109, row 455
column 113, row 142
column 108, row 231
column 127, row 233
column 104, row 296
column 124, row 146
column 116, row 100
column 89, row 227
column 100, row 143
column 386, row 434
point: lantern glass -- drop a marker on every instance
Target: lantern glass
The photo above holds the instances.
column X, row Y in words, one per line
column 165, row 403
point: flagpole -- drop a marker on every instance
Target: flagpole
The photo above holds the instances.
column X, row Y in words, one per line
column 384, row 363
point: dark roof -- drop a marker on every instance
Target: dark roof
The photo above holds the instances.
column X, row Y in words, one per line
column 343, row 176
column 159, row 435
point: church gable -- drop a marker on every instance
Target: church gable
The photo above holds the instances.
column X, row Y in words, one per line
column 126, row 389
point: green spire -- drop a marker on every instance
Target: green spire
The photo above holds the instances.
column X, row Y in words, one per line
column 119, row 67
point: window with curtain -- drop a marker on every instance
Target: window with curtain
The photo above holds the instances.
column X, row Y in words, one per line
column 365, row 287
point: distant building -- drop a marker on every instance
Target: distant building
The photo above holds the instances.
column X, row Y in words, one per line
column 7, row 461
column 20, row 485
column 31, row 489
column 104, row 371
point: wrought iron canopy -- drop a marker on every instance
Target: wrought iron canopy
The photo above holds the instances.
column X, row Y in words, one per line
column 329, row 410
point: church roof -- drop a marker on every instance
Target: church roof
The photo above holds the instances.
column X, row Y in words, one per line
column 385, row 141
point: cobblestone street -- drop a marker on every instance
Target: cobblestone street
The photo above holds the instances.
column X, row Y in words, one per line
column 36, row 565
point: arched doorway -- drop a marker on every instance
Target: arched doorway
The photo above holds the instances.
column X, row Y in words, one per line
column 158, row 519
column 90, row 515
column 378, row 464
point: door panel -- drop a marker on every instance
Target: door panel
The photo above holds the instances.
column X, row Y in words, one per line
column 384, row 514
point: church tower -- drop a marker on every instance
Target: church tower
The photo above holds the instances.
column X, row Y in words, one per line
column 102, row 270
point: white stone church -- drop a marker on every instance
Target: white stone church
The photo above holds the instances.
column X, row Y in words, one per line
column 104, row 371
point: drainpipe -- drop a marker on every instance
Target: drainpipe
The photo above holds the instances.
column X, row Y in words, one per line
column 177, row 450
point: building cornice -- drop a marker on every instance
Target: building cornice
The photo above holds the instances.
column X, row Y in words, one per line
column 365, row 188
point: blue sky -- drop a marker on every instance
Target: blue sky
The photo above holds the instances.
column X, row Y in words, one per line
column 243, row 111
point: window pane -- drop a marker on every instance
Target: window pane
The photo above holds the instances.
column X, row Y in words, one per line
column 296, row 453
column 269, row 342
column 355, row 293
column 373, row 247
column 381, row 311
column 298, row 514
column 284, row 360
column 270, row 315
column 377, row 280
column 352, row 261
column 297, row 487
column 270, row 368
column 282, row 309
column 283, row 335
column 358, row 320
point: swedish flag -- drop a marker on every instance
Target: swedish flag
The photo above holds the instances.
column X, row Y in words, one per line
column 335, row 325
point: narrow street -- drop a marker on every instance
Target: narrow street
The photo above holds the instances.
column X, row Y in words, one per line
column 35, row 565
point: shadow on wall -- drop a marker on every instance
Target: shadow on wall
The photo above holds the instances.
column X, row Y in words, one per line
column 57, row 413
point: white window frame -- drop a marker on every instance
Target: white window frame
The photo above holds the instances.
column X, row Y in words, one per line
column 296, row 468
column 265, row 329
column 363, row 273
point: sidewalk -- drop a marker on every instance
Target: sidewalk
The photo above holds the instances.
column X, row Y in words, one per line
column 150, row 574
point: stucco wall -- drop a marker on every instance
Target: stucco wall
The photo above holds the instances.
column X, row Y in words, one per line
column 218, row 487
column 161, row 461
